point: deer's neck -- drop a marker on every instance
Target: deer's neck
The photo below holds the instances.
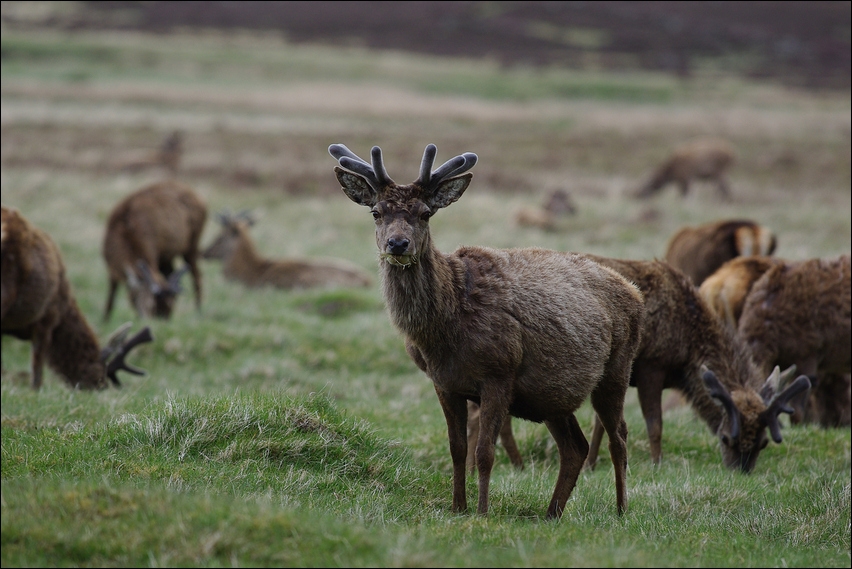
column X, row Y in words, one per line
column 423, row 297
column 244, row 263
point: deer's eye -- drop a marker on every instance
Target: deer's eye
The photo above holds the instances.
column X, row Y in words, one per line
column 726, row 440
column 376, row 215
column 426, row 215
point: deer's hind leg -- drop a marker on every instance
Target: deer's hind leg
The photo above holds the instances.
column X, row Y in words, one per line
column 608, row 403
column 573, row 449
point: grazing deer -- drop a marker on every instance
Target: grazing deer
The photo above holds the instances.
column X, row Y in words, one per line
column 698, row 251
column 702, row 159
column 242, row 262
column 685, row 347
column 168, row 156
column 145, row 232
column 38, row 306
column 528, row 332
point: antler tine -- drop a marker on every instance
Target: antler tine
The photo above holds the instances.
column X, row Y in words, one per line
column 115, row 340
column 450, row 168
column 149, row 278
column 780, row 405
column 353, row 162
column 174, row 279
column 426, row 165
column 118, row 362
column 379, row 167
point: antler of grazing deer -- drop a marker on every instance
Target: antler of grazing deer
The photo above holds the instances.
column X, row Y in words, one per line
column 118, row 362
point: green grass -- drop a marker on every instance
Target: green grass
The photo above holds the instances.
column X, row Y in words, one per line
column 290, row 428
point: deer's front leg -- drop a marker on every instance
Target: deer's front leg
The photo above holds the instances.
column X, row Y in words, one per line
column 455, row 412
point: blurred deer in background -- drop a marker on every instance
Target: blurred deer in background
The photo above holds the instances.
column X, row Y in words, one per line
column 145, row 232
column 38, row 306
column 699, row 250
column 557, row 205
column 242, row 263
column 168, row 156
column 703, row 159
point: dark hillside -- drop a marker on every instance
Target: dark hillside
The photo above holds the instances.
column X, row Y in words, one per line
column 802, row 43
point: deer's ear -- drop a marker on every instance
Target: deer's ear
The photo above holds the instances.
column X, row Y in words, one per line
column 356, row 187
column 448, row 191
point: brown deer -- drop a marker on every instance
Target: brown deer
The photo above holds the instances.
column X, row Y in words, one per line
column 38, row 306
column 699, row 250
column 527, row 332
column 702, row 159
column 242, row 262
column 168, row 156
column 145, row 232
column 684, row 346
column 812, row 299
column 557, row 205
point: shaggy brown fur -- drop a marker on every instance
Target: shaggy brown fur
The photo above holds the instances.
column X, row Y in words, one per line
column 528, row 332
column 698, row 251
column 703, row 159
column 682, row 337
column 242, row 262
column 144, row 233
column 685, row 347
column 38, row 306
column 798, row 313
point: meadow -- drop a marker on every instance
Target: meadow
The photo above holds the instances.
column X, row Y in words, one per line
column 290, row 428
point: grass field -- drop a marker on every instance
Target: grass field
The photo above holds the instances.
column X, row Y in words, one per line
column 290, row 428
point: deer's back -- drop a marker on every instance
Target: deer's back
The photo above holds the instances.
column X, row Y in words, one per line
column 801, row 309
column 551, row 321
column 164, row 219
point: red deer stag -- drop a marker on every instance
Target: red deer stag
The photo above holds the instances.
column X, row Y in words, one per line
column 528, row 332
column 38, row 306
column 702, row 159
column 698, row 251
column 144, row 233
column 242, row 262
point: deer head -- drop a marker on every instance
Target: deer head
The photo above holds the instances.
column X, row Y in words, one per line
column 232, row 227
column 742, row 433
column 402, row 212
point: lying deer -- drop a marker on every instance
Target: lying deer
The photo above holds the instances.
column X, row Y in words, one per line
column 702, row 159
column 38, row 306
column 557, row 205
column 144, row 233
column 528, row 332
column 242, row 262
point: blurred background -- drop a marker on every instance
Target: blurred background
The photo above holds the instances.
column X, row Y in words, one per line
column 799, row 43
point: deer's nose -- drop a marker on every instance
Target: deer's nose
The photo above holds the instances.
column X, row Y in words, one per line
column 397, row 246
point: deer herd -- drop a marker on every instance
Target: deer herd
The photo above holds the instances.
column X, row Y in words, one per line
column 742, row 335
